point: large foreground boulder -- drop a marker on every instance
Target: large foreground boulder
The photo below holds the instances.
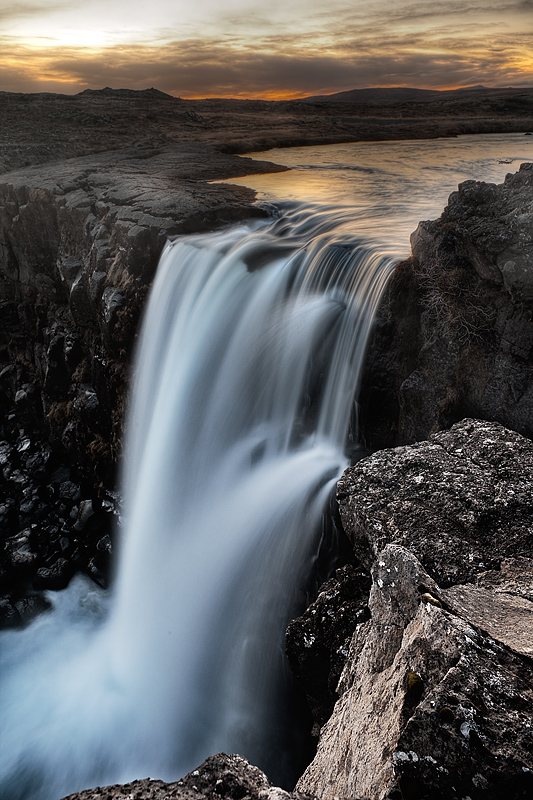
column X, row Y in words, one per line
column 430, row 705
column 436, row 696
column 220, row 777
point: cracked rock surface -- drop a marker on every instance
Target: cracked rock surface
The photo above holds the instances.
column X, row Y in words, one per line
column 461, row 501
column 429, row 705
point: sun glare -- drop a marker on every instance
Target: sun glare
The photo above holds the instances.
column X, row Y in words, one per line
column 73, row 39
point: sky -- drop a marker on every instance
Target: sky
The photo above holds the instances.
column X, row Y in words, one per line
column 269, row 48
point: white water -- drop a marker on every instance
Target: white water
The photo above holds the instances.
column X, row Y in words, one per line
column 250, row 358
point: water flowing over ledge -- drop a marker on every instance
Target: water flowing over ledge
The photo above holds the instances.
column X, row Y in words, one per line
column 249, row 363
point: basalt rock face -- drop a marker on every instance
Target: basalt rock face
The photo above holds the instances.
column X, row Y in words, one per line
column 454, row 335
column 220, row 777
column 317, row 642
column 79, row 244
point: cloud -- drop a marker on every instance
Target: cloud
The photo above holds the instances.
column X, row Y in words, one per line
column 199, row 67
column 12, row 11
column 358, row 45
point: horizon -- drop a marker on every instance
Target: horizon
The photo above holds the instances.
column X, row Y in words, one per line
column 237, row 51
column 95, row 89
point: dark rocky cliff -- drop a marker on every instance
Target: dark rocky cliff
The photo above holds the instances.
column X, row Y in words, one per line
column 454, row 335
column 79, row 243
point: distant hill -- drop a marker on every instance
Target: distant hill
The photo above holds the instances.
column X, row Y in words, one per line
column 107, row 91
column 384, row 96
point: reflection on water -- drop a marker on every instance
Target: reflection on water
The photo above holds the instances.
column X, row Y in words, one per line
column 389, row 186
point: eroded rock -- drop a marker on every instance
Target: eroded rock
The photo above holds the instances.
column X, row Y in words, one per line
column 430, row 706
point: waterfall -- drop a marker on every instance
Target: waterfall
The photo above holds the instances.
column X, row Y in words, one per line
column 249, row 361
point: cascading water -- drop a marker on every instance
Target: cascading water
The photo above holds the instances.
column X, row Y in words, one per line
column 250, row 357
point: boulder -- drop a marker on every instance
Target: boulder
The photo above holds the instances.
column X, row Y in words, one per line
column 461, row 501
column 436, row 696
column 430, row 705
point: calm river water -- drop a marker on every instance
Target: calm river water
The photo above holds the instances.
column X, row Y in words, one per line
column 388, row 186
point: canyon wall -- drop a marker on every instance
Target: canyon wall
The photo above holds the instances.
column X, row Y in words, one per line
column 454, row 335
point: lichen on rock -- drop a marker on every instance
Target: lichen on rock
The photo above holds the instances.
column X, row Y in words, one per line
column 460, row 728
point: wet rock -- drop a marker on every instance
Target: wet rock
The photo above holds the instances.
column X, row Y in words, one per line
column 80, row 303
column 7, row 517
column 112, row 301
column 19, row 555
column 317, row 642
column 87, row 405
column 29, row 607
column 26, row 403
column 56, row 576
column 99, row 565
column 40, row 549
column 69, row 268
column 18, row 611
column 85, row 514
column 461, row 501
column 430, row 706
column 57, row 373
column 36, row 461
column 6, row 450
column 221, row 776
column 69, row 492
column 9, row 616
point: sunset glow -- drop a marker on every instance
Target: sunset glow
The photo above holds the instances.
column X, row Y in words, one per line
column 242, row 49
